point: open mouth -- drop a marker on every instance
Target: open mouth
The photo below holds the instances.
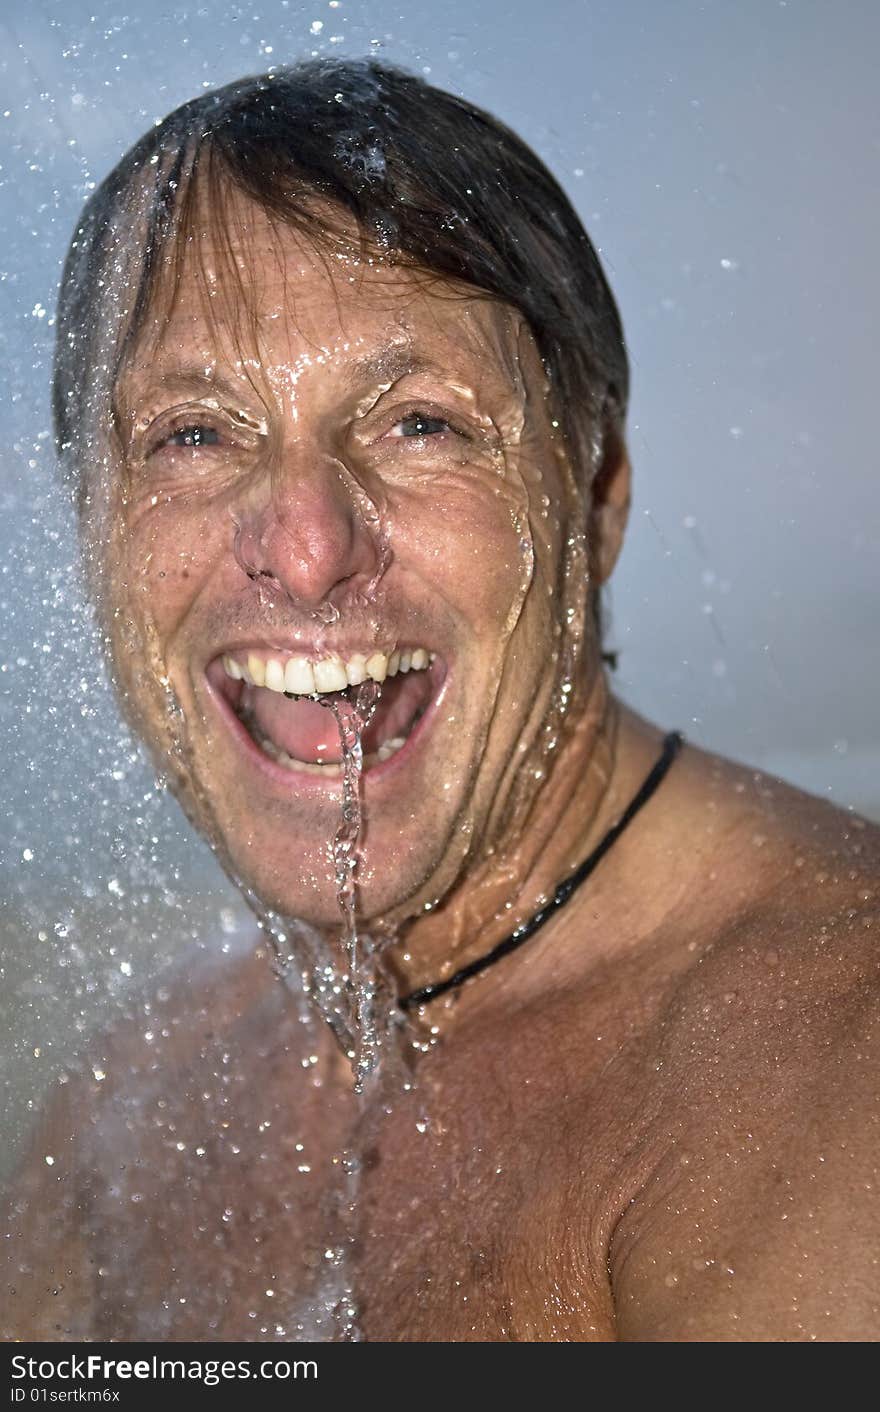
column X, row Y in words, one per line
column 283, row 702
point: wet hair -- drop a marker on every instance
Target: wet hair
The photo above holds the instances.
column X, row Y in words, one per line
column 424, row 175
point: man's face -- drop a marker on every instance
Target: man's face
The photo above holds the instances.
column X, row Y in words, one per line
column 334, row 468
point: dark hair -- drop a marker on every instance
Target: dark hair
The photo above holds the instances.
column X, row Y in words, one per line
column 423, row 173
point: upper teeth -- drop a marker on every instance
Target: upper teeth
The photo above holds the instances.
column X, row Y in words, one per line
column 298, row 676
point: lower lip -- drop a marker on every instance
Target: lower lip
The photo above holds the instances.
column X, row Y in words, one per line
column 304, row 781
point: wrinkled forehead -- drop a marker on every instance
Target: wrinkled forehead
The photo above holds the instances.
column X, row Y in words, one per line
column 250, row 293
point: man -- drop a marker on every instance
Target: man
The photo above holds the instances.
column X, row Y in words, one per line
column 343, row 389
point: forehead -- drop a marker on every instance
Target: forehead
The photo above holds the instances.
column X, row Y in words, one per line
column 248, row 288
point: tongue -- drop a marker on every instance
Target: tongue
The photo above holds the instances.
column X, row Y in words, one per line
column 306, row 730
column 303, row 728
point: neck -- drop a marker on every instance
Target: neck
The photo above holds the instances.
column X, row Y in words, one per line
column 570, row 812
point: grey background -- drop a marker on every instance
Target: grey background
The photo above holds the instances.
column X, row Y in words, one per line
column 725, row 160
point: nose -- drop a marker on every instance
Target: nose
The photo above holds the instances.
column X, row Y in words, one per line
column 313, row 529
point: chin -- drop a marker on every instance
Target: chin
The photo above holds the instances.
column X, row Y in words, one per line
column 304, row 888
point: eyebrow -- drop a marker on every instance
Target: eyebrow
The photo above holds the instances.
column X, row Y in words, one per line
column 192, row 378
column 390, row 362
column 397, row 360
column 394, row 361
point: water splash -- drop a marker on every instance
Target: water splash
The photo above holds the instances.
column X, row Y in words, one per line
column 354, row 998
column 361, row 983
column 357, row 1004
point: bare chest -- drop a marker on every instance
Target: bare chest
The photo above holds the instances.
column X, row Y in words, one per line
column 474, row 1222
column 453, row 1211
column 474, row 1203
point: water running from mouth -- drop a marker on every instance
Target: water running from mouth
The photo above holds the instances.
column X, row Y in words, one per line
column 352, row 718
column 351, row 996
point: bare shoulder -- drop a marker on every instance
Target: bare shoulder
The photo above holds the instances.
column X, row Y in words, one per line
column 758, row 1218
column 790, row 915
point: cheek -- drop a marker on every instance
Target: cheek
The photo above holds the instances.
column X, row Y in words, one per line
column 165, row 553
column 467, row 540
column 546, row 475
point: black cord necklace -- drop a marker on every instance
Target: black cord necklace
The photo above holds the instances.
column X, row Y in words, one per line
column 671, row 746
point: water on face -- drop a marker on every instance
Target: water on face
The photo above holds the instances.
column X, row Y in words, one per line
column 341, row 976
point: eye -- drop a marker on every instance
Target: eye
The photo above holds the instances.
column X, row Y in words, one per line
column 418, row 424
column 195, row 435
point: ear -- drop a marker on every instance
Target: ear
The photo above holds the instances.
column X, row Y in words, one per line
column 609, row 505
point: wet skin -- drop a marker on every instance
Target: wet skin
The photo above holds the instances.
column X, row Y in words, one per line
column 676, row 1142
column 658, row 1120
column 310, row 520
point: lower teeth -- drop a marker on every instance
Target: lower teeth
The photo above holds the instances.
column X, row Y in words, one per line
column 331, row 769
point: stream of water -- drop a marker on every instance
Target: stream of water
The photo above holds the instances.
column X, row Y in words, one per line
column 361, row 982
